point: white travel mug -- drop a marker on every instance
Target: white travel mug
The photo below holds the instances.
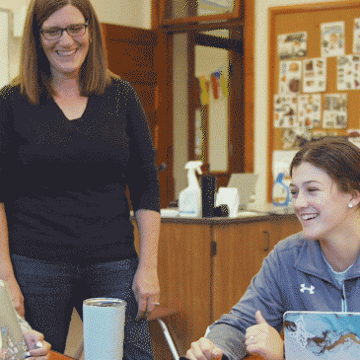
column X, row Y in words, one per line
column 104, row 320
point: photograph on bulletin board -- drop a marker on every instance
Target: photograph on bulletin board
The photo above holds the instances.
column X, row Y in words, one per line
column 290, row 77
column 292, row 46
column 314, row 75
column 333, row 39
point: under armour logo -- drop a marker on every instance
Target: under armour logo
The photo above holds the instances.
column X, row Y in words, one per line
column 309, row 289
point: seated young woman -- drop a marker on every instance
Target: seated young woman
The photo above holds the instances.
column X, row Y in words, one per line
column 325, row 188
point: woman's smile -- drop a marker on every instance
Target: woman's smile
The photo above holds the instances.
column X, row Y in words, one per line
column 67, row 53
column 318, row 203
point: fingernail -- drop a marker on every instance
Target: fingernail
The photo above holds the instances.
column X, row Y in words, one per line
column 39, row 344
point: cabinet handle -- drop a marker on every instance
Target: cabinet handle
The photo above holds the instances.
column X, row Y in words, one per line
column 213, row 248
column 267, row 240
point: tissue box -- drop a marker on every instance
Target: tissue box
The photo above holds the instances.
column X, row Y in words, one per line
column 230, row 197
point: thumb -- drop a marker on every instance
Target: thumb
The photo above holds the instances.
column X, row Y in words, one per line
column 259, row 318
column 216, row 353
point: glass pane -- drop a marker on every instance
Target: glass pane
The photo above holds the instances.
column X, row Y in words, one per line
column 212, row 70
column 178, row 9
column 222, row 33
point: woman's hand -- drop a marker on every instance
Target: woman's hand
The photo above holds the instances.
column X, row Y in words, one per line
column 38, row 348
column 147, row 290
column 17, row 296
column 262, row 339
column 204, row 349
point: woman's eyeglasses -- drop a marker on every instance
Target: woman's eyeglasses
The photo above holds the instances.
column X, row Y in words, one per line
column 55, row 33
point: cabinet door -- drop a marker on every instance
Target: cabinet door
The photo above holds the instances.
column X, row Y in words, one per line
column 240, row 251
column 184, row 275
column 282, row 227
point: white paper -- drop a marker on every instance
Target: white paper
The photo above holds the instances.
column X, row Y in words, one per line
column 281, row 162
column 348, row 72
column 314, row 75
column 333, row 39
column 309, row 110
column 285, row 111
column 290, row 77
column 356, row 39
column 104, row 331
column 228, row 196
column 292, row 45
column 335, row 111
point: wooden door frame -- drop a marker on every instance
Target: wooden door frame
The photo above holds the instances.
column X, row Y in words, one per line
column 161, row 107
column 243, row 148
column 195, row 19
column 236, row 116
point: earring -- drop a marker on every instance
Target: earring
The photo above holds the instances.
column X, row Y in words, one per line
column 350, row 205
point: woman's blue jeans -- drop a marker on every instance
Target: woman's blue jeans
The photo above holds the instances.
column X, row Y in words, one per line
column 51, row 291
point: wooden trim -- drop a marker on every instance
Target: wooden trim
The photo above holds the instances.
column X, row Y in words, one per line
column 271, row 80
column 314, row 7
column 236, row 122
column 57, row 356
column 218, row 42
column 155, row 16
column 236, row 14
column 249, row 85
column 197, row 19
column 195, row 26
column 164, row 70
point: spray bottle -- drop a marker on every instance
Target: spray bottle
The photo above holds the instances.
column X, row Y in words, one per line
column 190, row 197
column 280, row 191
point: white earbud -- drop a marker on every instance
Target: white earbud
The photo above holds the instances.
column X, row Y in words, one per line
column 350, row 205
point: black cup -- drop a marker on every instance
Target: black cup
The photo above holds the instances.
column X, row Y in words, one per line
column 208, row 190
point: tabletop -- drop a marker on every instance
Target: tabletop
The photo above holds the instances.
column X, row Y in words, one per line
column 56, row 356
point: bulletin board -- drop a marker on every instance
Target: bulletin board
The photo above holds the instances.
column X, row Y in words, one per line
column 305, row 37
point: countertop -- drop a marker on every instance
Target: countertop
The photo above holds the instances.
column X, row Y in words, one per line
column 252, row 213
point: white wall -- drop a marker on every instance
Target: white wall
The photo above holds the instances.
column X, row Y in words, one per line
column 136, row 13
column 261, row 88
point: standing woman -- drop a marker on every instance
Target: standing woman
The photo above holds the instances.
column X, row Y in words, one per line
column 72, row 137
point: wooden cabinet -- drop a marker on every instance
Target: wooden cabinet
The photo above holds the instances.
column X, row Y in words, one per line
column 241, row 249
column 184, row 274
column 206, row 265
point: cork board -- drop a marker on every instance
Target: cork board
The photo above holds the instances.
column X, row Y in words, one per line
column 309, row 18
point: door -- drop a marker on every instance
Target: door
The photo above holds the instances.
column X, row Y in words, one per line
column 142, row 57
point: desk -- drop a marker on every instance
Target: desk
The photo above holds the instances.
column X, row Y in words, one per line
column 224, row 254
column 56, row 356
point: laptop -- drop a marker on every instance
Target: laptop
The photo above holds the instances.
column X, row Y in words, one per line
column 245, row 183
column 310, row 335
column 12, row 341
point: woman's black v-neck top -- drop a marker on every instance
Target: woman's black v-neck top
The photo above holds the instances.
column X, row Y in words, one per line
column 64, row 181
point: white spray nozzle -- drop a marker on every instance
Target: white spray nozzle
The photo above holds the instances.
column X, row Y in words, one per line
column 194, row 165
